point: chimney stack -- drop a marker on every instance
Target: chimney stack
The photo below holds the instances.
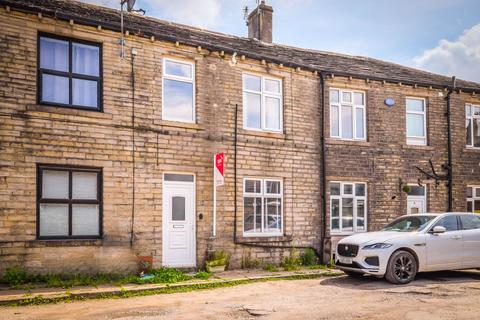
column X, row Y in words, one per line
column 259, row 23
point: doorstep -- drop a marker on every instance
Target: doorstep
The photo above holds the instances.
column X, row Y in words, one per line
column 233, row 277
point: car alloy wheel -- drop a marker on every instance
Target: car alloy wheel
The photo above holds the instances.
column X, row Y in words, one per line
column 402, row 268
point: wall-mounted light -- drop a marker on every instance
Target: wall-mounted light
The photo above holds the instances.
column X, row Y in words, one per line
column 389, row 102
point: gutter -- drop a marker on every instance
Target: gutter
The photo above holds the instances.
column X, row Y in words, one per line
column 147, row 34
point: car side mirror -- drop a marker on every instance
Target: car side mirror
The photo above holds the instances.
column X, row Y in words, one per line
column 439, row 229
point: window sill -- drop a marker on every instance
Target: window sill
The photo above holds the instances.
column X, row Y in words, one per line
column 264, row 238
column 177, row 124
column 417, row 147
column 471, row 149
column 345, row 233
column 64, row 243
column 264, row 134
column 335, row 141
column 68, row 111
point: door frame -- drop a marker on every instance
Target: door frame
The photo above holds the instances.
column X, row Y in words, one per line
column 424, row 198
column 194, row 214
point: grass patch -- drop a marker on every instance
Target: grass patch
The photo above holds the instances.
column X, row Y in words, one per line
column 169, row 289
column 17, row 278
column 204, row 275
column 270, row 267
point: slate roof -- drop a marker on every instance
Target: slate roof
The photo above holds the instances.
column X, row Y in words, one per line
column 339, row 64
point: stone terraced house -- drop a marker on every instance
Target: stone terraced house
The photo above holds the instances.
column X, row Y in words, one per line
column 106, row 158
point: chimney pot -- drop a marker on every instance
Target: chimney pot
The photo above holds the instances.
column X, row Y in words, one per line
column 259, row 23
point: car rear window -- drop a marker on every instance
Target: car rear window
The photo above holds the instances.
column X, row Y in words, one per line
column 470, row 222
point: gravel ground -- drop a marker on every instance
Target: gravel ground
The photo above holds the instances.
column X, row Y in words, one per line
column 445, row 295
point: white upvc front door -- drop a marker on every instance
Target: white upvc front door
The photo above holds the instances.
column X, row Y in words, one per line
column 416, row 204
column 179, row 239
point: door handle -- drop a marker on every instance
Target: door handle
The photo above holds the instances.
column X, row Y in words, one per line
column 456, row 237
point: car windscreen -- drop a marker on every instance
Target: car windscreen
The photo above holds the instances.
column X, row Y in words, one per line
column 409, row 224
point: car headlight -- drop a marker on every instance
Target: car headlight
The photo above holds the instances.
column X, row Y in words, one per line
column 378, row 246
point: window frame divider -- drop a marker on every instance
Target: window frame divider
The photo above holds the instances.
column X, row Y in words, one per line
column 69, row 74
column 70, row 202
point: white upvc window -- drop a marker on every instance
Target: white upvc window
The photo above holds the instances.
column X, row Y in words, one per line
column 262, row 207
column 416, row 121
column 178, row 94
column 473, row 199
column 348, row 207
column 262, row 103
column 472, row 125
column 347, row 114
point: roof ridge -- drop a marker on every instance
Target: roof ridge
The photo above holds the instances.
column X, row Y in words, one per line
column 314, row 59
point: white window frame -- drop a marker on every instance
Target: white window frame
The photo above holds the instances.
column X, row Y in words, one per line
column 191, row 80
column 263, row 195
column 263, row 95
column 354, row 113
column 472, row 117
column 355, row 198
column 473, row 197
column 416, row 140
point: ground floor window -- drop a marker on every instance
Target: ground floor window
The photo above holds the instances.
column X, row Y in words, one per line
column 262, row 206
column 69, row 202
column 473, row 199
column 348, row 209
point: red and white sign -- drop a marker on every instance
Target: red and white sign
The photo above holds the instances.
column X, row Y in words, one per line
column 219, row 169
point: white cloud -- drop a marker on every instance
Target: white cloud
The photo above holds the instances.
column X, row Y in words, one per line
column 460, row 57
column 203, row 14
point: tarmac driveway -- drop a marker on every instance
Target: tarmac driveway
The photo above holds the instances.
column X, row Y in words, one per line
column 444, row 295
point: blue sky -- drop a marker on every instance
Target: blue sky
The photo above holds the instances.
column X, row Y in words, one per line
column 442, row 36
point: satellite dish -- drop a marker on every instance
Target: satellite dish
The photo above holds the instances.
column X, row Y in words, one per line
column 130, row 4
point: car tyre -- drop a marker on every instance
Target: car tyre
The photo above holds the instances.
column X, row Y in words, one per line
column 402, row 267
column 353, row 274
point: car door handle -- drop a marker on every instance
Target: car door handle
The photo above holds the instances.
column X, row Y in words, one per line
column 456, row 237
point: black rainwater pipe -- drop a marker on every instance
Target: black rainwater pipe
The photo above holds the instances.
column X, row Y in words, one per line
column 323, row 167
column 451, row 90
column 133, row 146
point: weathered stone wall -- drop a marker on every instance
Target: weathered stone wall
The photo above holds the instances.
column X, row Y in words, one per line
column 385, row 159
column 33, row 134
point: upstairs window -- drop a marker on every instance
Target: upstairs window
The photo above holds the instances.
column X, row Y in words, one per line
column 262, row 207
column 262, row 103
column 178, row 91
column 69, row 73
column 348, row 207
column 416, row 121
column 472, row 125
column 347, row 114
column 69, row 202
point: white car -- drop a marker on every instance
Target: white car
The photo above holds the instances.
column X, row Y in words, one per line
column 411, row 244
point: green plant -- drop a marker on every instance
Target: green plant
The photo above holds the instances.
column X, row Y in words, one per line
column 270, row 267
column 218, row 257
column 308, row 257
column 204, row 275
column 406, row 189
column 249, row 263
column 292, row 262
column 15, row 276
column 167, row 275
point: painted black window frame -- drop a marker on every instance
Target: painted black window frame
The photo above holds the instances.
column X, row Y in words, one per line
column 70, row 201
column 70, row 75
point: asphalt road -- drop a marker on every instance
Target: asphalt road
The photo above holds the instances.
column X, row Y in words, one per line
column 444, row 295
